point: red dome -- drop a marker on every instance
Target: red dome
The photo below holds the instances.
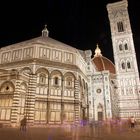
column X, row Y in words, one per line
column 102, row 63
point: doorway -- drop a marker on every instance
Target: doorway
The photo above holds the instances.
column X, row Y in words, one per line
column 100, row 116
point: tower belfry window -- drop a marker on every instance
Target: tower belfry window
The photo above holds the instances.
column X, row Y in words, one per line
column 123, row 65
column 120, row 47
column 126, row 46
column 120, row 26
column 128, row 65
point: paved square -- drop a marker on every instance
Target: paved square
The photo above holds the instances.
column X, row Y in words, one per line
column 70, row 133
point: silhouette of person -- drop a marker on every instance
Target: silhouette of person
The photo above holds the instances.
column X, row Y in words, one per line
column 132, row 123
column 23, row 124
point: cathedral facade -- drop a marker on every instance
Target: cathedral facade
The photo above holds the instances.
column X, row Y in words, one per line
column 50, row 82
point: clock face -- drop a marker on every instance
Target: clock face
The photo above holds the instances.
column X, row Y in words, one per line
column 98, row 90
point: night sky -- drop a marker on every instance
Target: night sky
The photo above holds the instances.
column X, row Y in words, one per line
column 79, row 23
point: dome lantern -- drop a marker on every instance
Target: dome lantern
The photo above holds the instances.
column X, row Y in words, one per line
column 97, row 51
column 45, row 32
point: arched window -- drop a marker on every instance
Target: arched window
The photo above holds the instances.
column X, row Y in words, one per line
column 6, row 99
column 120, row 47
column 126, row 46
column 56, row 81
column 120, row 26
column 123, row 65
column 128, row 65
column 69, row 82
column 42, row 78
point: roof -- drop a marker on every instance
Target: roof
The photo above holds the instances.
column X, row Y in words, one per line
column 102, row 63
column 43, row 40
column 47, row 41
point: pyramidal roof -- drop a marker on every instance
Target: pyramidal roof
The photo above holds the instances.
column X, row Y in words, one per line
column 44, row 40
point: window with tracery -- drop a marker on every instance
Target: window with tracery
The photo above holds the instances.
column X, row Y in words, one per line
column 6, row 99
column 123, row 65
column 120, row 47
column 42, row 78
column 69, row 82
column 56, row 81
column 126, row 46
column 128, row 65
column 120, row 26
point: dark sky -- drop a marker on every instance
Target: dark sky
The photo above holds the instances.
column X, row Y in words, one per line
column 79, row 23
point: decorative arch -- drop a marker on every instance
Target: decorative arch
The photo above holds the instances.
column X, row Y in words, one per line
column 123, row 65
column 69, row 79
column 125, row 44
column 56, row 78
column 120, row 26
column 14, row 71
column 69, row 84
column 100, row 106
column 128, row 64
column 23, row 86
column 6, row 98
column 70, row 74
column 26, row 71
column 7, row 87
column 42, row 76
column 55, row 83
column 56, row 72
column 42, row 70
column 120, row 44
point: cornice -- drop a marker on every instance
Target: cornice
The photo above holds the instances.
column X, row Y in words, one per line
column 41, row 62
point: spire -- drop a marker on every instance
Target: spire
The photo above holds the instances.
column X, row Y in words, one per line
column 97, row 51
column 45, row 32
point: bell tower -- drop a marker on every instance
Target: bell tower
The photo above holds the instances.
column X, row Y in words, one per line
column 125, row 60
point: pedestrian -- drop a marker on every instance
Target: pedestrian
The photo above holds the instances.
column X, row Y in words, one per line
column 132, row 123
column 23, row 124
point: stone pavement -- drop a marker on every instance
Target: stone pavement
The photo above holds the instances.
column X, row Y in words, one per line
column 70, row 133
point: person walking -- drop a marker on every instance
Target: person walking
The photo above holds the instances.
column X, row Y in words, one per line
column 23, row 124
column 132, row 123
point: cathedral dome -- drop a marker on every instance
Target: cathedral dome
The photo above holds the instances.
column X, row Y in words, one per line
column 102, row 63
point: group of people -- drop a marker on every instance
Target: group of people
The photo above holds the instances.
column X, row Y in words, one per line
column 131, row 122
